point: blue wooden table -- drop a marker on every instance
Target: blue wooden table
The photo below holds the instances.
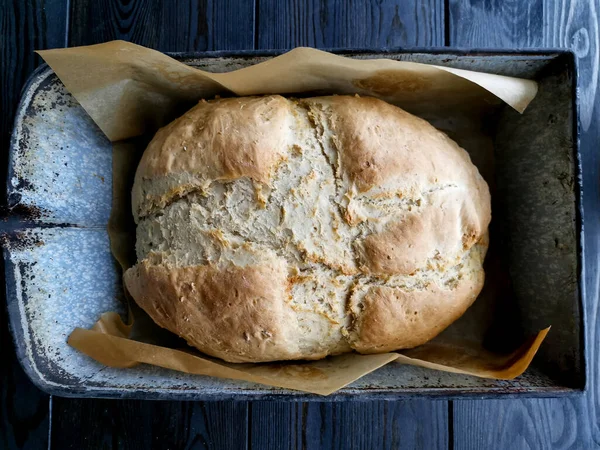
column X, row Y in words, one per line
column 31, row 419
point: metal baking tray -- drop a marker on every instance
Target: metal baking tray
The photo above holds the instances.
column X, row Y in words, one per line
column 60, row 273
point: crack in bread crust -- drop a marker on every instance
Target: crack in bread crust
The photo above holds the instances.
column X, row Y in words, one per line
column 349, row 236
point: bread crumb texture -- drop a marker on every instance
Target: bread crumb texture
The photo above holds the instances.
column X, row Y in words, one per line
column 279, row 229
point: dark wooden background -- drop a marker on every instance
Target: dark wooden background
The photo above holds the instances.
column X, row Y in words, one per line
column 30, row 419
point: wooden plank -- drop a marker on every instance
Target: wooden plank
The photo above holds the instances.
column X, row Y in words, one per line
column 495, row 24
column 377, row 424
column 343, row 23
column 547, row 423
column 176, row 26
column 24, row 27
column 522, row 424
column 180, row 25
column 94, row 424
column 283, row 24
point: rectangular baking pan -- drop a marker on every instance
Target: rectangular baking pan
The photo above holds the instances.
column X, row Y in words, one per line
column 60, row 273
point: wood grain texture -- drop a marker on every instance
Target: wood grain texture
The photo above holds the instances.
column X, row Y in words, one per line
column 177, row 25
column 24, row 27
column 283, row 24
column 548, row 423
column 521, row 424
column 368, row 425
column 129, row 424
column 212, row 24
column 495, row 23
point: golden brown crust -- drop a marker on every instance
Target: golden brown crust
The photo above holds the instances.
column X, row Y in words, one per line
column 225, row 139
column 235, row 313
column 379, row 143
column 385, row 152
column 442, row 231
column 306, row 228
column 218, row 140
column 393, row 318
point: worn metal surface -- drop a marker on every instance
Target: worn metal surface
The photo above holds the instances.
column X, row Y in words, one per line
column 60, row 273
column 60, row 163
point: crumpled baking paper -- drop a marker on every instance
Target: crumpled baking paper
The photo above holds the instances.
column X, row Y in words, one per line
column 131, row 91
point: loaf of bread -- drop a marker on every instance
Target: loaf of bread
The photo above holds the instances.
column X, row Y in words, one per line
column 281, row 229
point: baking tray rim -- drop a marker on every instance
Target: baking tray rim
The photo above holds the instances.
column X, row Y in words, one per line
column 15, row 221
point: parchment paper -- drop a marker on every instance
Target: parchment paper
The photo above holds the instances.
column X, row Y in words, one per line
column 130, row 91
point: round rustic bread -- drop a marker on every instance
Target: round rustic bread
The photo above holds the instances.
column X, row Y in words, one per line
column 277, row 229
